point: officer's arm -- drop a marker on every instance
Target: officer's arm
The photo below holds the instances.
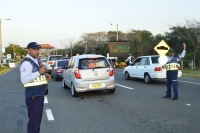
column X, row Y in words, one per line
column 182, row 55
column 26, row 72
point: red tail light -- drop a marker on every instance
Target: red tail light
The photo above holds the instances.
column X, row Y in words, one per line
column 179, row 67
column 58, row 70
column 77, row 74
column 158, row 69
column 50, row 62
column 111, row 71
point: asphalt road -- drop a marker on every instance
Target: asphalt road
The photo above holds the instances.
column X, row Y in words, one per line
column 135, row 107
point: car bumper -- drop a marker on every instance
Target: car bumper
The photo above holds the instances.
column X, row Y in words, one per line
column 58, row 75
column 87, row 86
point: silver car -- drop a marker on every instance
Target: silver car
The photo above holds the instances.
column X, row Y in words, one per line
column 88, row 72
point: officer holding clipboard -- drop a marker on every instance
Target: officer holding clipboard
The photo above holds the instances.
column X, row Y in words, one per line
column 35, row 82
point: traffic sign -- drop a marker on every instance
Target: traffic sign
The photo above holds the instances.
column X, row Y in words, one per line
column 8, row 56
column 162, row 48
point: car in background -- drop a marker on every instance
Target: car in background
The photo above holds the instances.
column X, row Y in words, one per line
column 57, row 69
column 44, row 61
column 147, row 68
column 88, row 72
column 50, row 61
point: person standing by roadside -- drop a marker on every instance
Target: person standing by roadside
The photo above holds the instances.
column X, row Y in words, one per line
column 172, row 72
column 129, row 60
column 35, row 82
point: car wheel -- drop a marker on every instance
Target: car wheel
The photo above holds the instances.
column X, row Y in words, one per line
column 73, row 91
column 52, row 75
column 55, row 78
column 111, row 90
column 63, row 83
column 147, row 78
column 126, row 76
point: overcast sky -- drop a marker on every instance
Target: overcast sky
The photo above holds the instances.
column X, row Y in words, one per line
column 49, row 21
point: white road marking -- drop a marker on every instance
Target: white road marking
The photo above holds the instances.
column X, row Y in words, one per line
column 45, row 99
column 188, row 104
column 189, row 82
column 125, row 86
column 49, row 115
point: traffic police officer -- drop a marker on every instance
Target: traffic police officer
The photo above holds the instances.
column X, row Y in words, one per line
column 172, row 72
column 34, row 79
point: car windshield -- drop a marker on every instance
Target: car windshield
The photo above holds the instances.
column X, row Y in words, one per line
column 56, row 57
column 154, row 59
column 88, row 63
column 62, row 63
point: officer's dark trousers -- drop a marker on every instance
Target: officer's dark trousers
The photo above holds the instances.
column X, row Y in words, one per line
column 172, row 80
column 35, row 110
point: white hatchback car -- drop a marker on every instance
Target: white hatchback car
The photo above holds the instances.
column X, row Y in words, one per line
column 147, row 68
column 88, row 72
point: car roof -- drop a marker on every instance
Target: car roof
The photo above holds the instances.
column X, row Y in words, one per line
column 88, row 56
column 149, row 56
column 62, row 60
column 55, row 55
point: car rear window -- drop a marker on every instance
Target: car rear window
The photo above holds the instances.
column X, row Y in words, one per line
column 154, row 59
column 62, row 64
column 90, row 63
column 56, row 57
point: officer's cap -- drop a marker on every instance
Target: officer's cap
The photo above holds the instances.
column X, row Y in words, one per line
column 33, row 45
column 171, row 50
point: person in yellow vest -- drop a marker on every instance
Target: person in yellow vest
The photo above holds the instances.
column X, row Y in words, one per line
column 35, row 81
column 172, row 72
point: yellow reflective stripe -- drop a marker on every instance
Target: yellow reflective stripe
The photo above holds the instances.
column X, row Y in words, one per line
column 172, row 66
column 39, row 81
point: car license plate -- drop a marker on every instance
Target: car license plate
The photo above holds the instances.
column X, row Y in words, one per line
column 96, row 85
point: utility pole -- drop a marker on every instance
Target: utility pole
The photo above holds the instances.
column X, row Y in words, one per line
column 13, row 52
column 71, row 49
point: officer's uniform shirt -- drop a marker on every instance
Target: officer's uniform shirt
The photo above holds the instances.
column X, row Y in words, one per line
column 26, row 71
column 180, row 56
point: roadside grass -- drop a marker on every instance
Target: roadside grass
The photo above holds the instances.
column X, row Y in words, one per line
column 3, row 69
column 191, row 73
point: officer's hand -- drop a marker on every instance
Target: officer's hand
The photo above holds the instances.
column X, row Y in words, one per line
column 48, row 77
column 42, row 70
column 184, row 46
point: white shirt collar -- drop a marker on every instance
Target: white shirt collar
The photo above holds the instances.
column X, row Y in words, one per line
column 34, row 59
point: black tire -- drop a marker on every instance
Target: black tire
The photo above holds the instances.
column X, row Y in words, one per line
column 73, row 91
column 55, row 78
column 126, row 76
column 52, row 75
column 147, row 78
column 111, row 90
column 64, row 85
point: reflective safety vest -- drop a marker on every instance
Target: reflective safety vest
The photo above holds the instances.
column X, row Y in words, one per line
column 39, row 86
column 39, row 81
column 172, row 65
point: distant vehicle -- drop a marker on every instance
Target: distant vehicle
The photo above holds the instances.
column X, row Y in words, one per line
column 57, row 69
column 88, row 72
column 44, row 61
column 50, row 61
column 147, row 68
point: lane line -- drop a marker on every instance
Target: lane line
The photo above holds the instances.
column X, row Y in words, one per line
column 45, row 99
column 189, row 82
column 178, row 80
column 49, row 115
column 125, row 87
